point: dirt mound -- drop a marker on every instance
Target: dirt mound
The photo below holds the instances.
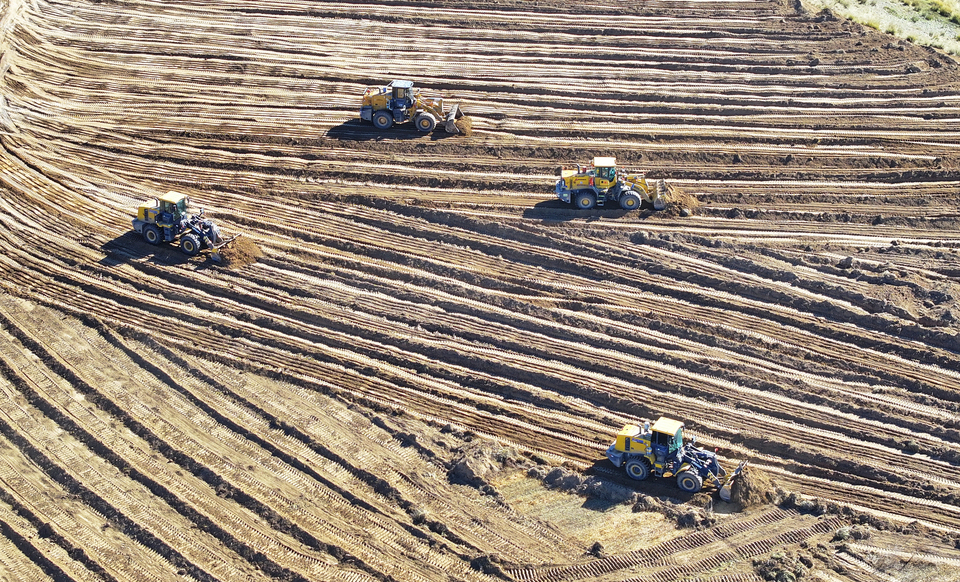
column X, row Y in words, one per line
column 783, row 566
column 575, row 482
column 680, row 203
column 683, row 514
column 239, row 253
column 465, row 125
column 478, row 461
column 752, row 487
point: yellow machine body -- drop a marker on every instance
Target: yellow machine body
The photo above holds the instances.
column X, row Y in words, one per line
column 173, row 202
column 400, row 102
column 594, row 185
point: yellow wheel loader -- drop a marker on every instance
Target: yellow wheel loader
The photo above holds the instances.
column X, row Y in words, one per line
column 165, row 219
column 400, row 102
column 659, row 450
column 586, row 187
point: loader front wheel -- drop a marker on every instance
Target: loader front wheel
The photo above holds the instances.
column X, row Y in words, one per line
column 382, row 119
column 629, row 201
column 425, row 122
column 638, row 469
column 689, row 481
column 585, row 200
column 151, row 234
column 190, row 245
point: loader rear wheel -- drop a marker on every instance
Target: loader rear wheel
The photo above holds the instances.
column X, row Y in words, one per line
column 638, row 469
column 425, row 122
column 151, row 234
column 585, row 200
column 689, row 481
column 190, row 245
column 629, row 201
column 382, row 119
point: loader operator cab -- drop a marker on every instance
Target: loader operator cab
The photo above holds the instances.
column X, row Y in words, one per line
column 666, row 438
column 402, row 94
column 605, row 170
column 172, row 208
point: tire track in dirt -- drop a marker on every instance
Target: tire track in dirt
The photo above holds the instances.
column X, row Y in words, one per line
column 407, row 272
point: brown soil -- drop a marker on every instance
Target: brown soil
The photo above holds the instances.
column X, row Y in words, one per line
column 680, row 202
column 751, row 488
column 239, row 253
column 430, row 321
column 465, row 125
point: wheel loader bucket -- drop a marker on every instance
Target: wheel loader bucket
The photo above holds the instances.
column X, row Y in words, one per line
column 727, row 488
column 660, row 201
column 215, row 255
column 450, row 123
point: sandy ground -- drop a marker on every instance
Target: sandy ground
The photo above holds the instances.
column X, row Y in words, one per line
column 411, row 368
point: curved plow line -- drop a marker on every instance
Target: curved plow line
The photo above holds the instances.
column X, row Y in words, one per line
column 818, row 380
column 889, row 451
column 555, row 457
column 142, row 412
column 905, row 556
column 535, row 17
column 414, row 189
column 819, row 183
column 744, row 452
column 750, row 418
column 933, row 275
column 476, row 394
column 734, row 132
column 181, row 487
column 697, row 350
column 803, row 480
column 686, row 287
column 14, row 563
column 757, row 393
column 416, row 379
column 129, row 501
column 565, row 419
column 401, row 405
column 348, row 355
column 722, row 231
column 712, row 269
column 497, row 133
column 35, row 492
column 101, row 192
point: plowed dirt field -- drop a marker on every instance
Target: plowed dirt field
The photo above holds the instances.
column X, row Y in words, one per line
column 418, row 377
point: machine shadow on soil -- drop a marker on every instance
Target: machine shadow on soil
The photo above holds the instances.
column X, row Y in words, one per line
column 360, row 131
column 130, row 246
column 557, row 211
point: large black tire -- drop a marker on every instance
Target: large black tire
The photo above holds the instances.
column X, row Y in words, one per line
column 689, row 481
column 630, row 201
column 151, row 234
column 638, row 469
column 425, row 122
column 382, row 119
column 190, row 245
column 585, row 200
